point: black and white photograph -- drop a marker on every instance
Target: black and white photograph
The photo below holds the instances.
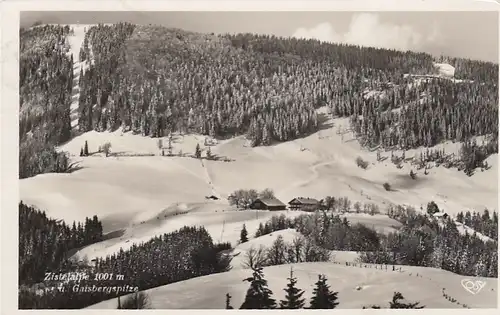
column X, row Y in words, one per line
column 240, row 160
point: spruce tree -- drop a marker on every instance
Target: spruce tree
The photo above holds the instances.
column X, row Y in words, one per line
column 258, row 296
column 81, row 151
column 323, row 297
column 198, row 151
column 170, row 148
column 432, row 208
column 413, row 175
column 244, row 235
column 293, row 297
column 86, row 149
column 228, row 302
column 396, row 302
column 119, row 304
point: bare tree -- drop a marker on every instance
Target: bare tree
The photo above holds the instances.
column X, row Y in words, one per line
column 255, row 258
column 298, row 246
column 276, row 255
column 106, row 148
column 267, row 193
column 314, row 253
column 170, row 147
column 357, row 207
column 138, row 300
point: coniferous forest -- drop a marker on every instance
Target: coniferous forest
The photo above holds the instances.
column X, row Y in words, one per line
column 153, row 81
column 44, row 243
column 422, row 241
column 45, row 84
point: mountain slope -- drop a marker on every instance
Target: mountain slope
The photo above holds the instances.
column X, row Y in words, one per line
column 376, row 287
column 127, row 190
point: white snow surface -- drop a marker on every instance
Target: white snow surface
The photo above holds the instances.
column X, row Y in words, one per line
column 376, row 287
column 445, row 69
column 134, row 193
column 76, row 42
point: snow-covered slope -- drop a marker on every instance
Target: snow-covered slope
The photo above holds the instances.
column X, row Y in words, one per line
column 127, row 190
column 357, row 287
column 76, row 42
column 445, row 69
column 288, row 235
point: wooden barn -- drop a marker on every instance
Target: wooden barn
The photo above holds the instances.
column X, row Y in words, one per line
column 304, row 204
column 272, row 204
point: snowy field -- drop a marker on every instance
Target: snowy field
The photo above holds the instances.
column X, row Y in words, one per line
column 288, row 235
column 75, row 43
column 141, row 193
column 127, row 192
column 375, row 286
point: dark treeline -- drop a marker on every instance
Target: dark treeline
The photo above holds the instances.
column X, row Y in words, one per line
column 422, row 241
column 485, row 223
column 153, row 80
column 448, row 111
column 45, row 85
column 471, row 156
column 177, row 256
column 45, row 242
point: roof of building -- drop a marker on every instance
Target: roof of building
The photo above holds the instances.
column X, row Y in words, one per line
column 440, row 214
column 273, row 202
column 306, row 201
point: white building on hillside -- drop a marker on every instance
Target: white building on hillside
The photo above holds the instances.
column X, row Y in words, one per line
column 440, row 215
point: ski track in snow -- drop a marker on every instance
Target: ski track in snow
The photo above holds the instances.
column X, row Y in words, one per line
column 76, row 42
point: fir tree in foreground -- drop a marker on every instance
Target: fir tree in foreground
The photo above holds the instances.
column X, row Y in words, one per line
column 86, row 149
column 197, row 151
column 396, row 302
column 138, row 300
column 323, row 297
column 244, row 234
column 293, row 297
column 258, row 296
column 228, row 302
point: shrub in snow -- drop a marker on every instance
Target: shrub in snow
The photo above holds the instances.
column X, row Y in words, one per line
column 361, row 163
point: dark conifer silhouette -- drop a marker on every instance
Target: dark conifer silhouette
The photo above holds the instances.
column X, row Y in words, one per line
column 432, row 208
column 228, row 302
column 244, row 235
column 323, row 297
column 397, row 303
column 138, row 300
column 293, row 297
column 197, row 152
column 258, row 296
column 86, row 149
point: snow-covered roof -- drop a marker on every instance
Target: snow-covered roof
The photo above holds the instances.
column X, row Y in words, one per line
column 445, row 69
column 271, row 202
column 306, row 201
column 440, row 214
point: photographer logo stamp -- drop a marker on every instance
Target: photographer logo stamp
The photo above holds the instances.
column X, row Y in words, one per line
column 472, row 286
